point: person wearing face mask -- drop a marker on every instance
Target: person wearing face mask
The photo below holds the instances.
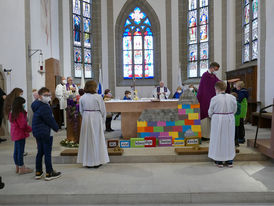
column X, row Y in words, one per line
column 43, row 123
column 221, row 111
column 178, row 93
column 193, row 89
column 62, row 95
column 127, row 95
column 205, row 92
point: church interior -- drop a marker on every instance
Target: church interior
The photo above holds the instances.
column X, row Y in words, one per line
column 149, row 59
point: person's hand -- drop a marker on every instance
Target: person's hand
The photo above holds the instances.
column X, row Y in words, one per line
column 233, row 80
column 4, row 96
column 73, row 89
column 159, row 93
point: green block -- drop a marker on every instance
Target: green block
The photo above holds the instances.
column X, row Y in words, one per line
column 158, row 129
column 137, row 142
column 189, row 111
column 179, row 123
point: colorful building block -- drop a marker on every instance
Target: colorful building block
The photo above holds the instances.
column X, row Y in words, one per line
column 188, row 111
column 197, row 122
column 151, row 124
column 179, row 142
column 112, row 143
column 144, row 134
column 177, row 129
column 179, row 106
column 164, row 141
column 193, row 116
column 164, row 134
column 141, row 124
column 158, row 129
column 186, row 106
column 179, row 123
column 137, row 142
column 183, row 116
column 196, row 128
column 125, row 143
column 189, row 122
column 168, row 129
column 161, row 124
column 192, row 141
column 148, row 129
column 186, row 127
column 192, row 106
column 170, row 123
column 141, row 129
column 150, row 141
column 173, row 134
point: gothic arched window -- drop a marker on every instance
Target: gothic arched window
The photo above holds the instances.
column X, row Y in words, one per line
column 138, row 51
column 198, row 38
column 82, row 38
column 250, row 30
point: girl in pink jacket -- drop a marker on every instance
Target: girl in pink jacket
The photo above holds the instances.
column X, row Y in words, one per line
column 19, row 132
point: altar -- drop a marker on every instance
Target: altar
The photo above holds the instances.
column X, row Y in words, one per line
column 131, row 111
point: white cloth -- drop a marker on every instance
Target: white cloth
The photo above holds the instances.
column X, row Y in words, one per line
column 162, row 95
column 221, row 110
column 92, row 146
column 205, row 125
column 62, row 95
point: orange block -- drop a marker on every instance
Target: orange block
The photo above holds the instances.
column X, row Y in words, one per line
column 199, row 134
column 141, row 129
column 192, row 106
column 189, row 122
column 148, row 129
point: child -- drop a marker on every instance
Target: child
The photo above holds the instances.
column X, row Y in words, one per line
column 242, row 99
column 108, row 97
column 19, row 131
column 221, row 111
column 237, row 120
column 178, row 93
column 42, row 123
column 127, row 95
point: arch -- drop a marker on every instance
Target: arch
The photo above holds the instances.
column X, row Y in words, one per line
column 129, row 6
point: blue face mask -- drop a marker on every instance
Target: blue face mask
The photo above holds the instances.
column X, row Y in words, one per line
column 24, row 106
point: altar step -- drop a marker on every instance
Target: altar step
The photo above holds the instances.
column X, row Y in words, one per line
column 154, row 155
column 219, row 198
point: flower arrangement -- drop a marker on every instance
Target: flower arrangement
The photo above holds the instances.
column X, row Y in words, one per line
column 67, row 143
column 73, row 114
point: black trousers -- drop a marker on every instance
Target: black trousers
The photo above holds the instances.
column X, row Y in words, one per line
column 108, row 123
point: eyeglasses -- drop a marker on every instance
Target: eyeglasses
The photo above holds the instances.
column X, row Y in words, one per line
column 47, row 95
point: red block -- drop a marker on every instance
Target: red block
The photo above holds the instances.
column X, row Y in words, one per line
column 189, row 122
column 148, row 129
column 150, row 141
column 177, row 128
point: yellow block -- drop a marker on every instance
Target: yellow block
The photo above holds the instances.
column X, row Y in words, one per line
column 193, row 116
column 180, row 106
column 196, row 128
column 173, row 134
column 141, row 124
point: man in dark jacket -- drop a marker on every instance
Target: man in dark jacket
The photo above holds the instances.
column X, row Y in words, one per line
column 42, row 124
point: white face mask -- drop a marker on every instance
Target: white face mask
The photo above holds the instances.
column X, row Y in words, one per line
column 64, row 81
column 46, row 99
column 129, row 95
column 179, row 91
column 214, row 72
column 191, row 89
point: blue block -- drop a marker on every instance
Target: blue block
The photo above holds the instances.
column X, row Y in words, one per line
column 170, row 123
column 145, row 134
column 125, row 143
column 186, row 127
column 155, row 134
column 186, row 106
column 152, row 124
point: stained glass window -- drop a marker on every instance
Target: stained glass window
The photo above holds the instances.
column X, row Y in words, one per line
column 250, row 30
column 138, row 50
column 198, row 49
column 82, row 38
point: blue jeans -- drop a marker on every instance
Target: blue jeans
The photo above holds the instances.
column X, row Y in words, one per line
column 44, row 147
column 18, row 155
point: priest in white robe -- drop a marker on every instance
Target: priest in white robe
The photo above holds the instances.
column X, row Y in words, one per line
column 161, row 92
column 221, row 111
column 92, row 150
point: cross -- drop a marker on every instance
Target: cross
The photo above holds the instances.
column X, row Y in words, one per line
column 137, row 16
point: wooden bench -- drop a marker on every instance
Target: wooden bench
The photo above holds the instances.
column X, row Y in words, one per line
column 265, row 119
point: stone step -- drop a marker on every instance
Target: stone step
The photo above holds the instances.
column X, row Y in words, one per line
column 151, row 198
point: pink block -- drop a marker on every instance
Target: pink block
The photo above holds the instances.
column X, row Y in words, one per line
column 164, row 134
column 161, row 124
column 180, row 111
